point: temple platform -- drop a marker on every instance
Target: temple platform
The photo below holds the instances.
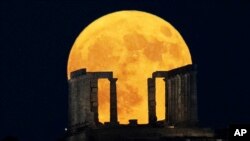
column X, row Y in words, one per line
column 145, row 133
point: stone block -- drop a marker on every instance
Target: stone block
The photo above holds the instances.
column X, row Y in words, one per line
column 93, row 97
column 77, row 73
column 94, row 90
column 151, row 82
column 133, row 122
column 93, row 83
column 152, row 103
column 151, row 97
column 94, row 104
column 151, row 90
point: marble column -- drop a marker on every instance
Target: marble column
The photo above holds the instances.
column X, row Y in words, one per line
column 151, row 101
column 178, row 94
column 94, row 98
column 169, row 102
column 185, row 98
column 193, row 82
column 174, row 105
column 166, row 100
column 113, row 101
column 182, row 97
column 189, row 115
column 72, row 97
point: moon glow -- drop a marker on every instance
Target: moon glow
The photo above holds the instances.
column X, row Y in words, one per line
column 132, row 44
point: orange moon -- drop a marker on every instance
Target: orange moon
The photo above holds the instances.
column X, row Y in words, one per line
column 132, row 44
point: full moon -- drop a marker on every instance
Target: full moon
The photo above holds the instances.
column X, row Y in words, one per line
column 131, row 44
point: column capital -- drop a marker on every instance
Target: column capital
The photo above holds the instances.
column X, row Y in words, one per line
column 112, row 79
column 165, row 79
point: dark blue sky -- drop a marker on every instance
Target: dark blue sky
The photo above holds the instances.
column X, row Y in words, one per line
column 36, row 37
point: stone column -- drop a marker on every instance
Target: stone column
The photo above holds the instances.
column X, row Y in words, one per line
column 182, row 97
column 166, row 100
column 79, row 99
column 174, row 105
column 194, row 115
column 72, row 116
column 113, row 101
column 151, row 101
column 178, row 94
column 169, row 102
column 94, row 98
column 83, row 99
column 188, row 98
column 185, row 98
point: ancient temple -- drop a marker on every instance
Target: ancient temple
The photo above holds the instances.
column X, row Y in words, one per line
column 181, row 109
column 83, row 98
column 180, row 94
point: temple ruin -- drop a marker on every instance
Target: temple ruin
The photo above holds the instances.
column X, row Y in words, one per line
column 181, row 108
column 83, row 98
column 180, row 94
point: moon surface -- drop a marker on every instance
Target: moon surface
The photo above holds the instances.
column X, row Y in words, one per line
column 132, row 44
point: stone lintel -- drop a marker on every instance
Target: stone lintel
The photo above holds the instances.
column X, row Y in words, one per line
column 174, row 72
column 77, row 73
column 98, row 75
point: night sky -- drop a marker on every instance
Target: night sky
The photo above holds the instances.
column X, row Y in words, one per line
column 36, row 38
